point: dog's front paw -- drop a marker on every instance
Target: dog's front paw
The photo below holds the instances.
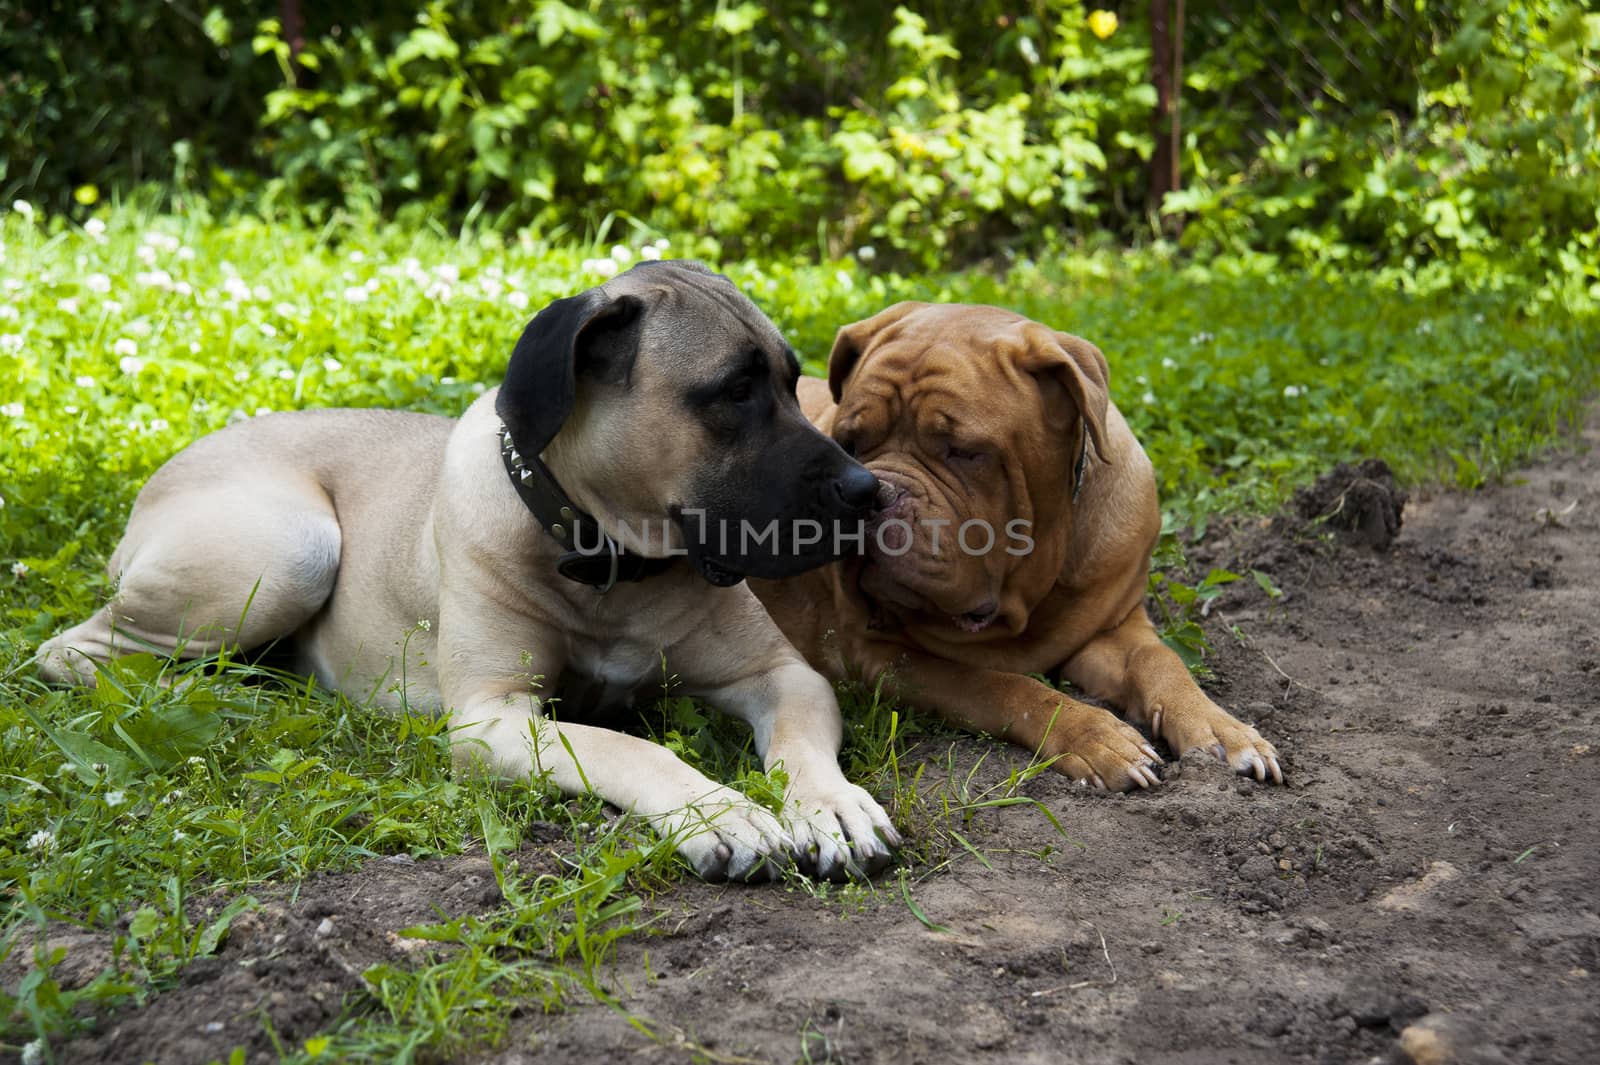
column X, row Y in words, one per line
column 1091, row 745
column 725, row 836
column 1213, row 729
column 839, row 830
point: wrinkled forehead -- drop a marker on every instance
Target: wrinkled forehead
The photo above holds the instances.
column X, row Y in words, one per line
column 949, row 334
column 697, row 317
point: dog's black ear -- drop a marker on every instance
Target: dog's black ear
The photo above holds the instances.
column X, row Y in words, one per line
column 590, row 335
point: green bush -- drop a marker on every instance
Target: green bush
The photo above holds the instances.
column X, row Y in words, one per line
column 1454, row 140
column 1440, row 144
column 84, row 100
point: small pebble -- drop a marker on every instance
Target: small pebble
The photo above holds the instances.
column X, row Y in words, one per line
column 325, row 928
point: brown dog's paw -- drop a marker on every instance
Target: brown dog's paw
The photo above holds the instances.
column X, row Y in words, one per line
column 1091, row 745
column 1236, row 744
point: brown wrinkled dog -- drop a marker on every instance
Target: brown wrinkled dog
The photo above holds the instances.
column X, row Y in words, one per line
column 1019, row 516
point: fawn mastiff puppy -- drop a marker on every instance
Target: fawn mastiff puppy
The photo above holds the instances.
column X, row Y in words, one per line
column 1018, row 518
column 567, row 523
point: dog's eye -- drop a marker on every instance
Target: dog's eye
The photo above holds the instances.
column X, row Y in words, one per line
column 961, row 454
column 741, row 390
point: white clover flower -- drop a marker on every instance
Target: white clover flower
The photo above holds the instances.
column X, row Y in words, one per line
column 662, row 244
column 95, row 227
column 115, row 799
column 866, row 253
column 186, row 253
column 159, row 425
column 178, row 834
column 12, row 410
column 125, row 346
column 1029, row 50
column 603, row 267
column 130, row 364
column 357, row 256
column 1202, row 338
column 449, row 273
column 153, row 279
column 183, row 288
column 33, row 1052
column 268, row 330
column 621, row 253
column 286, row 374
column 83, row 380
column 1291, row 391
column 844, row 279
column 1168, row 364
column 146, row 254
column 332, row 365
column 518, row 300
column 98, row 283
column 649, row 252
column 42, row 840
column 70, row 408
column 1148, row 399
column 236, row 289
column 8, row 313
column 241, row 375
column 356, row 294
column 1424, row 328
column 10, row 341
column 194, row 347
column 22, row 207
column 68, row 305
column 112, row 306
column 283, row 309
column 19, row 570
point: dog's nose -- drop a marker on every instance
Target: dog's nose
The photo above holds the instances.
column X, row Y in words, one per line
column 858, row 488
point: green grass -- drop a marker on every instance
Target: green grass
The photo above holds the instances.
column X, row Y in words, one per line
column 118, row 347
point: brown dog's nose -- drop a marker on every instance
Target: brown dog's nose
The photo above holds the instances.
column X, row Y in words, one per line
column 858, row 488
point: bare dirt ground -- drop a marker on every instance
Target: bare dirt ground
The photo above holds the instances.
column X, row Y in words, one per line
column 1432, row 867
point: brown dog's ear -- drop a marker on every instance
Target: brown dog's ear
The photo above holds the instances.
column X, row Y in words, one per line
column 1080, row 369
column 854, row 339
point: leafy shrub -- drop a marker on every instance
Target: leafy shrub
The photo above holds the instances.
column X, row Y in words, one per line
column 1454, row 140
column 82, row 104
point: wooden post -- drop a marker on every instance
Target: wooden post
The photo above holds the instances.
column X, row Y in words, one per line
column 1166, row 61
column 294, row 31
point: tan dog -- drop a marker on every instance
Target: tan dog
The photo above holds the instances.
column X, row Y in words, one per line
column 396, row 557
column 1019, row 516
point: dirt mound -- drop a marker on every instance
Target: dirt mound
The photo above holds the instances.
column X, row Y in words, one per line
column 1362, row 502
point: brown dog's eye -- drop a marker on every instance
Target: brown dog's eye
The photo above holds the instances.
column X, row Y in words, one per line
column 741, row 390
column 960, row 454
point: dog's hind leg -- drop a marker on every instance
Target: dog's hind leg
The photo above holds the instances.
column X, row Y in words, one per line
column 205, row 566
